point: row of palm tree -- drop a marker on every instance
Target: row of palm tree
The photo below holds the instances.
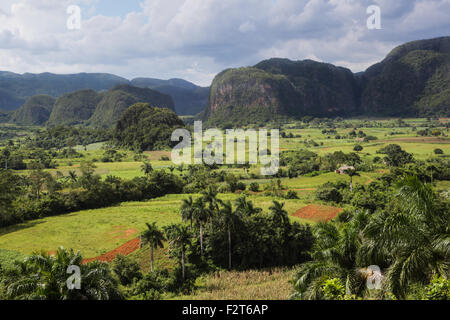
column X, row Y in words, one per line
column 201, row 211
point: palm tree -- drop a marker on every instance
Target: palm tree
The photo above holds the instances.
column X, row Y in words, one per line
column 335, row 255
column 278, row 213
column 245, row 207
column 155, row 237
column 179, row 237
column 6, row 154
column 72, row 176
column 210, row 197
column 352, row 173
column 201, row 215
column 414, row 239
column 44, row 276
column 229, row 219
column 187, row 209
column 147, row 168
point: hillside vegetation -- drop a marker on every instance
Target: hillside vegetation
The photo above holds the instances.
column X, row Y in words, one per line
column 143, row 127
column 87, row 107
column 74, row 108
column 36, row 111
column 414, row 79
column 117, row 100
column 15, row 89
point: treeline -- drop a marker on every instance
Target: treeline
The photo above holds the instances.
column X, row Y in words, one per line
column 60, row 137
column 40, row 194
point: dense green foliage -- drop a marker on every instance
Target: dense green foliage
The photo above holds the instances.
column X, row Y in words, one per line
column 45, row 277
column 404, row 230
column 67, row 136
column 143, row 127
column 39, row 194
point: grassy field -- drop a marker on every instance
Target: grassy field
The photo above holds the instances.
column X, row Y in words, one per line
column 259, row 285
column 95, row 232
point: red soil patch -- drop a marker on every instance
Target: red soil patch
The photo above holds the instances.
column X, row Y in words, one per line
column 124, row 250
column 318, row 213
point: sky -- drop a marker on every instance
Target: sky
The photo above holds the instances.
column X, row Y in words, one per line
column 196, row 39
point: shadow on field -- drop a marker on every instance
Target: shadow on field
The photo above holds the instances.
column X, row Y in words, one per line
column 18, row 227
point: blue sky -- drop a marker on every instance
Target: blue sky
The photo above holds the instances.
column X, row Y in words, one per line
column 118, row 8
column 196, row 39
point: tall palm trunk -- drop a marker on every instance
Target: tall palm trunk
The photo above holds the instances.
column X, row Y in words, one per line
column 351, row 183
column 182, row 263
column 229, row 248
column 151, row 255
column 201, row 239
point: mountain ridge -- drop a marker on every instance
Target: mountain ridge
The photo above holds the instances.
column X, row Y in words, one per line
column 16, row 89
column 413, row 80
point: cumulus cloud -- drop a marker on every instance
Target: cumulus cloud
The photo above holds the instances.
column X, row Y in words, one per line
column 196, row 39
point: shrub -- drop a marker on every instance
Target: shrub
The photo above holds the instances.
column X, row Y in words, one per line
column 438, row 151
column 291, row 194
column 126, row 270
column 438, row 289
column 254, row 186
column 329, row 194
column 333, row 289
column 241, row 186
column 370, row 138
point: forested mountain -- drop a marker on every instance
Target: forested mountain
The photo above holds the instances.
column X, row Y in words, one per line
column 413, row 80
column 120, row 98
column 75, row 107
column 102, row 109
column 144, row 127
column 35, row 111
column 281, row 87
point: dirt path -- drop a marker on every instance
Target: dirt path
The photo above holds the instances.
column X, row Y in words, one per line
column 124, row 249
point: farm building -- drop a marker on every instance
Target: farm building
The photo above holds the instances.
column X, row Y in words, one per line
column 343, row 169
